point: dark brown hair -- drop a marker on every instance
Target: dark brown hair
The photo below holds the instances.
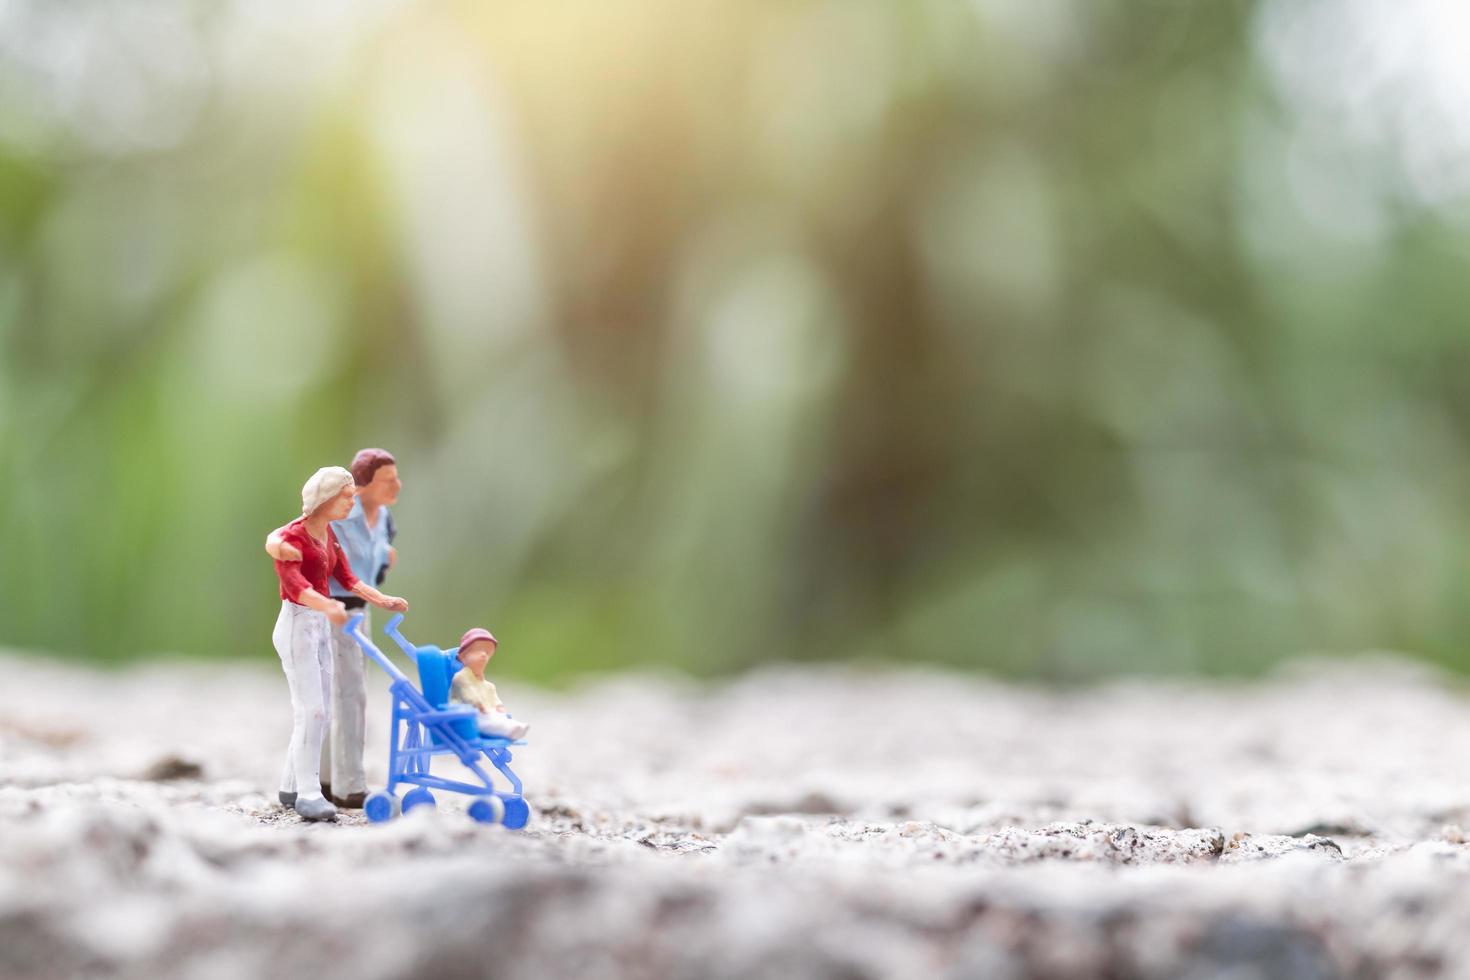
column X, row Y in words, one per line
column 367, row 462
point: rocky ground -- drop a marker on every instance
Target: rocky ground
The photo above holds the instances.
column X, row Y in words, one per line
column 793, row 823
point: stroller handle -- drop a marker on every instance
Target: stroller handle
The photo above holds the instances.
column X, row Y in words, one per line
column 353, row 628
column 391, row 629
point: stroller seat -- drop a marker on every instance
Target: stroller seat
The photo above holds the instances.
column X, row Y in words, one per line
column 436, row 673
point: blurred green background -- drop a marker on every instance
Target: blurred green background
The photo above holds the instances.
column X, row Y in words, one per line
column 1052, row 337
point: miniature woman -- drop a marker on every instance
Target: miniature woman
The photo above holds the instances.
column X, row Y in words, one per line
column 469, row 686
column 308, row 613
column 366, row 535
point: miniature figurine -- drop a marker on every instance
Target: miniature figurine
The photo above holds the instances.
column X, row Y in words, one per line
column 422, row 728
column 366, row 535
column 301, row 633
column 476, row 648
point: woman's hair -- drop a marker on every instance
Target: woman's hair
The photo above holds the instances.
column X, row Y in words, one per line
column 324, row 484
column 367, row 462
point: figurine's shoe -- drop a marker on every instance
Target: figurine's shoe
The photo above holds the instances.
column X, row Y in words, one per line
column 317, row 809
column 352, row 801
column 287, row 799
column 520, row 729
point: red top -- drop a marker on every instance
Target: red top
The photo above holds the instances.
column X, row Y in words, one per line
column 317, row 564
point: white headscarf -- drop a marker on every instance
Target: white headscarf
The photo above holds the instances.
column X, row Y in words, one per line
column 324, row 484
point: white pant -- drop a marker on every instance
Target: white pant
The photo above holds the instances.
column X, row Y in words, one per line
column 342, row 745
column 500, row 725
column 301, row 640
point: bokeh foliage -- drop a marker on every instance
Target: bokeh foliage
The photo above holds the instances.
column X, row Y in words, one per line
column 1056, row 338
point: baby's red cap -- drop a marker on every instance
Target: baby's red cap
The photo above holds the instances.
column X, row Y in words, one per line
column 471, row 636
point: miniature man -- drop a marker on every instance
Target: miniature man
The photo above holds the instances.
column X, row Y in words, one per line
column 366, row 535
column 308, row 613
column 476, row 648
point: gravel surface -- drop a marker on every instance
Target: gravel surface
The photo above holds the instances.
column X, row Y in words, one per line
column 791, row 823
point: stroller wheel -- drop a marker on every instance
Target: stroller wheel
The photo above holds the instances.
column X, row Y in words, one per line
column 381, row 807
column 416, row 798
column 516, row 813
column 487, row 809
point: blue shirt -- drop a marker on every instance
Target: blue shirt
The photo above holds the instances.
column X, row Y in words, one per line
column 366, row 547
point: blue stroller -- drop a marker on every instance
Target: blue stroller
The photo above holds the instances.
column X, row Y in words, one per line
column 425, row 724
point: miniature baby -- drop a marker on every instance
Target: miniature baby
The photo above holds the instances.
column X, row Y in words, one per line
column 476, row 648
